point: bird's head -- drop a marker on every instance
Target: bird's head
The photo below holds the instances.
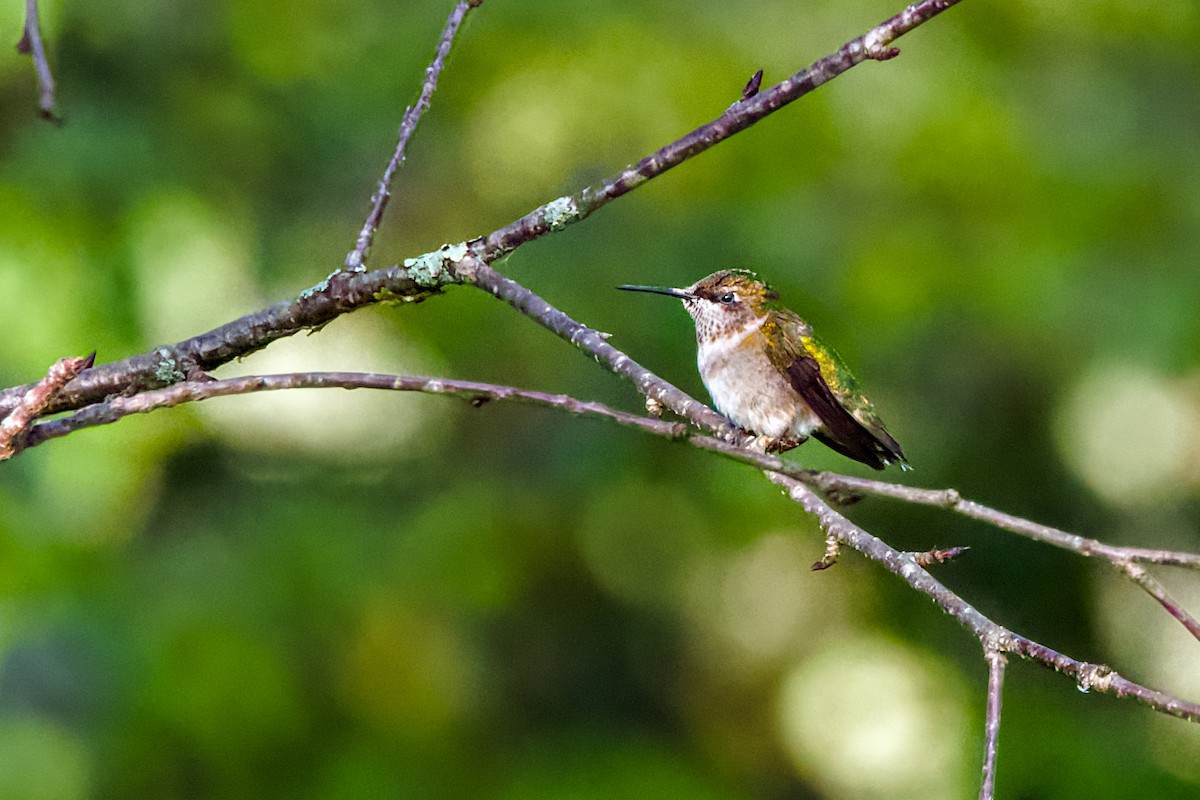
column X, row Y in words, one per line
column 727, row 300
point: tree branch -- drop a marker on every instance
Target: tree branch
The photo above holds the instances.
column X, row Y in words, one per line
column 357, row 257
column 339, row 294
column 347, row 290
column 559, row 213
column 659, row 392
column 836, row 527
column 119, row 407
column 994, row 637
column 35, row 401
column 996, row 664
column 1125, row 559
column 1137, row 573
column 952, row 500
column 426, row 274
column 594, row 343
column 31, row 44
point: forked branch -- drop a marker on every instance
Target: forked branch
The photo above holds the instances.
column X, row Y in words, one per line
column 357, row 257
column 15, row 426
column 420, row 277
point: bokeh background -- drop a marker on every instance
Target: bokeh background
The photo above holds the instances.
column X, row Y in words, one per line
column 330, row 594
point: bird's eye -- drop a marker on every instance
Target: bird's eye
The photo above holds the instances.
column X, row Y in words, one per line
column 727, row 298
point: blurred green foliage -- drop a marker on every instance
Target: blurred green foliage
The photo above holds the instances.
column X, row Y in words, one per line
column 347, row 595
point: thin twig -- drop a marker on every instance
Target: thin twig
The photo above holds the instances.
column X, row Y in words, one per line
column 337, row 295
column 594, row 343
column 1137, row 573
column 952, row 500
column 1125, row 559
column 357, row 257
column 116, row 408
column 1088, row 677
column 563, row 211
column 31, row 44
column 996, row 664
column 14, row 426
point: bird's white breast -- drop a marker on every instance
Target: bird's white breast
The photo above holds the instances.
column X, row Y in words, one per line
column 746, row 387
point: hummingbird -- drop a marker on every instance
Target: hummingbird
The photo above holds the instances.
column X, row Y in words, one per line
column 769, row 375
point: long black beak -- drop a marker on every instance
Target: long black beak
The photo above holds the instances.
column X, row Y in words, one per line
column 682, row 294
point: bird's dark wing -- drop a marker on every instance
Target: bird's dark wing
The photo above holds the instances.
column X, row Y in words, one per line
column 842, row 431
column 796, row 354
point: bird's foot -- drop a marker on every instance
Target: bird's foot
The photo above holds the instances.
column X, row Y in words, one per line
column 781, row 444
column 773, row 444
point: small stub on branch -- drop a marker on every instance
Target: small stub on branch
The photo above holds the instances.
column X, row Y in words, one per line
column 832, row 549
column 35, row 401
column 196, row 374
column 939, row 555
column 1094, row 676
column 753, row 85
column 876, row 45
column 883, row 53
